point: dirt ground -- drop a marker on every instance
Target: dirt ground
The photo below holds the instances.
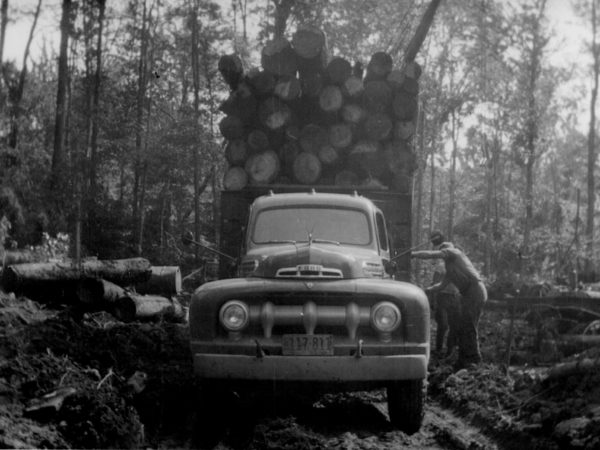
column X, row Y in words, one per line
column 89, row 381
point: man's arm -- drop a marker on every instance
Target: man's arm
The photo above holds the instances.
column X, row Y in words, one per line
column 427, row 254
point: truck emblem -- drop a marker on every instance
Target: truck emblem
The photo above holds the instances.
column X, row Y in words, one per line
column 310, row 285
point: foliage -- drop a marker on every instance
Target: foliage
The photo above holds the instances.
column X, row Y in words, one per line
column 479, row 63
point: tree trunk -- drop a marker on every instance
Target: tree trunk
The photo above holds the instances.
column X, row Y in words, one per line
column 452, row 187
column 417, row 40
column 194, row 50
column 139, row 129
column 3, row 22
column 93, row 163
column 591, row 190
column 58, row 155
column 17, row 96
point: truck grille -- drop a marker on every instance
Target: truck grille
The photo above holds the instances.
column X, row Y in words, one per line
column 309, row 316
column 309, row 271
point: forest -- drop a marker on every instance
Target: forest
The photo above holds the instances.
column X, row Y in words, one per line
column 110, row 142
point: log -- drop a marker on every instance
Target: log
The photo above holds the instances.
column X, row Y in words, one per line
column 404, row 130
column 310, row 45
column 236, row 152
column 328, row 155
column 374, row 184
column 278, row 57
column 340, row 135
column 395, row 79
column 353, row 87
column 120, row 271
column 292, row 132
column 274, row 114
column 287, row 155
column 308, row 42
column 377, row 96
column 288, row 88
column 405, row 106
column 380, row 65
column 346, row 178
column 165, row 280
column 412, row 70
column 339, row 70
column 148, row 307
column 331, row 98
column 312, row 84
column 410, row 86
column 231, row 69
column 378, row 126
column 231, row 128
column 307, row 168
column 366, row 157
column 257, row 141
column 98, row 294
column 399, row 157
column 19, row 256
column 262, row 82
column 235, row 179
column 312, row 138
column 241, row 103
column 352, row 113
column 563, row 370
column 263, row 167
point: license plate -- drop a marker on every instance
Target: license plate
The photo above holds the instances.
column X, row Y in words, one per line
column 307, row 344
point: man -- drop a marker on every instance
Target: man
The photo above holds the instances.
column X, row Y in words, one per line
column 460, row 272
column 446, row 308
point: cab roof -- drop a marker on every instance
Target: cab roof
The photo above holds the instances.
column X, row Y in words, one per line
column 314, row 198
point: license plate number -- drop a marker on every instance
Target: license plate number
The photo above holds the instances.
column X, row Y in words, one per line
column 307, row 344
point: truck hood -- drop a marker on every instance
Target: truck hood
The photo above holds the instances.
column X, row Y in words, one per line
column 323, row 261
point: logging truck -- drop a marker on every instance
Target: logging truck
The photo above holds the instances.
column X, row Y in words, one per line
column 315, row 235
column 319, row 301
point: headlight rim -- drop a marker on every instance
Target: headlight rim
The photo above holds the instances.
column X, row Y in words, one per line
column 229, row 304
column 378, row 306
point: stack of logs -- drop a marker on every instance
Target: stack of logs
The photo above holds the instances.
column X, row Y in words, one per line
column 306, row 119
column 130, row 289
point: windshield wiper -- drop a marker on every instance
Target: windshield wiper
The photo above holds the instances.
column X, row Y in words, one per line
column 279, row 241
column 325, row 241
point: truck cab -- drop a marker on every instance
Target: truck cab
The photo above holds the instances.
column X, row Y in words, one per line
column 315, row 304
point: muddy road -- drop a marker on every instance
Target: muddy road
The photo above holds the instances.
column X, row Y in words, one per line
column 91, row 381
column 351, row 421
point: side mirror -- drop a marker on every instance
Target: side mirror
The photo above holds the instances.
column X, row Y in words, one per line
column 389, row 266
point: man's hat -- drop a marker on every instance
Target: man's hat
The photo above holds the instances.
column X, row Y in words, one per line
column 436, row 237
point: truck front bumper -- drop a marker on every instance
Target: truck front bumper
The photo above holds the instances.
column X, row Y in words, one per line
column 311, row 368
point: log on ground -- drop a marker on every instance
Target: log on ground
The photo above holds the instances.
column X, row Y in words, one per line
column 148, row 307
column 165, row 280
column 123, row 272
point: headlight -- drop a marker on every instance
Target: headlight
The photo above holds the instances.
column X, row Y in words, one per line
column 385, row 317
column 234, row 315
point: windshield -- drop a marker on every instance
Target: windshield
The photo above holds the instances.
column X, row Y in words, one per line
column 294, row 224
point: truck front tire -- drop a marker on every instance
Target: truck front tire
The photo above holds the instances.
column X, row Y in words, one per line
column 406, row 401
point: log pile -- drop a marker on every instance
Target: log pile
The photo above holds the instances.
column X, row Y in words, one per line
column 304, row 118
column 130, row 289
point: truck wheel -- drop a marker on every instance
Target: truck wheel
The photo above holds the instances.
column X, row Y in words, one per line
column 406, row 401
column 208, row 424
